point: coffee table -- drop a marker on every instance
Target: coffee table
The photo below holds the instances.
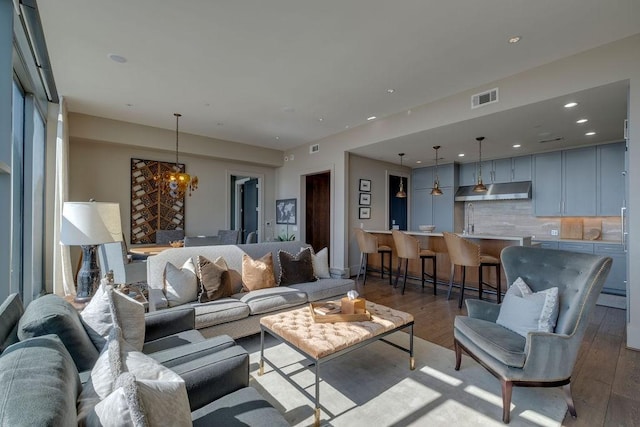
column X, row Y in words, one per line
column 321, row 342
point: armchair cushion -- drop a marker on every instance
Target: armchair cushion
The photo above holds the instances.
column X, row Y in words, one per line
column 499, row 342
column 524, row 311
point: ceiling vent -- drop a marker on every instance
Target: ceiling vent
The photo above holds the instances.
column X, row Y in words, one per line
column 314, row 148
column 556, row 139
column 484, row 98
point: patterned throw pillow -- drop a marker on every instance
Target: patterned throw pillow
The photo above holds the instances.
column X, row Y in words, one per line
column 296, row 268
column 212, row 278
column 180, row 284
column 524, row 311
column 257, row 273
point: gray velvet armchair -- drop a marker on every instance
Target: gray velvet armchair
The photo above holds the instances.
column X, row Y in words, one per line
column 542, row 359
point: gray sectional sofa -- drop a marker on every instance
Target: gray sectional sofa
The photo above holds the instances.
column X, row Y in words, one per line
column 43, row 374
column 239, row 315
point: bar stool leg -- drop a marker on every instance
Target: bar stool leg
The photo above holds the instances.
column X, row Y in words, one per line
column 422, row 262
column 464, row 273
column 360, row 269
column 381, row 264
column 366, row 261
column 453, row 271
column 480, row 282
column 390, row 267
column 398, row 273
column 499, row 285
column 435, row 276
column 406, row 267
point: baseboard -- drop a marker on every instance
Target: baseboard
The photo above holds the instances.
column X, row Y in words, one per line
column 614, row 301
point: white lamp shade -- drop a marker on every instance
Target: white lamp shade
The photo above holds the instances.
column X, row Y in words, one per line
column 90, row 223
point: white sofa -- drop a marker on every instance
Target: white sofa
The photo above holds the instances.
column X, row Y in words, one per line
column 239, row 314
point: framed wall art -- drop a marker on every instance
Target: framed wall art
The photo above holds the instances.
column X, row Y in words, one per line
column 286, row 211
column 364, row 213
column 365, row 199
column 365, row 185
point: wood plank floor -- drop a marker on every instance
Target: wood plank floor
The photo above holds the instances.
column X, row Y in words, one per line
column 606, row 379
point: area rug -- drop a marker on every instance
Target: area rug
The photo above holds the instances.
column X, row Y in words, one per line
column 373, row 386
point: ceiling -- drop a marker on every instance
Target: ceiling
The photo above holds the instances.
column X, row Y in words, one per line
column 282, row 73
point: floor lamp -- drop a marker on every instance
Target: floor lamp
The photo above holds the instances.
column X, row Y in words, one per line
column 89, row 224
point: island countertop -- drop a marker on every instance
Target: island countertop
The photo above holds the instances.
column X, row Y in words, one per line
column 521, row 240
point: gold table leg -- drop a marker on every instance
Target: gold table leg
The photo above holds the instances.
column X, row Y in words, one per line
column 412, row 363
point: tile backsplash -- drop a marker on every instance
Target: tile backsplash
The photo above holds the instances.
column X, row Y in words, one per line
column 516, row 217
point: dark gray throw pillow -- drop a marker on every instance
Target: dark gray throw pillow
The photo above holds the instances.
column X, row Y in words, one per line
column 296, row 268
column 51, row 314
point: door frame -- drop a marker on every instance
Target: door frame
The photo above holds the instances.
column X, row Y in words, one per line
column 260, row 176
column 302, row 206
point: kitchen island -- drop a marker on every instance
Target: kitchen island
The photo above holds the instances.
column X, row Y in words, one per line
column 490, row 244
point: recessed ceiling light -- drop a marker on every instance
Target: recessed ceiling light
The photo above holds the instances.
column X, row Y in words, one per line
column 277, row 137
column 570, row 105
column 517, row 145
column 590, row 133
column 582, row 121
column 461, row 155
column 219, row 124
column 371, row 118
column 390, row 90
column 117, row 58
column 514, row 39
column 129, row 105
column 418, row 161
column 321, row 119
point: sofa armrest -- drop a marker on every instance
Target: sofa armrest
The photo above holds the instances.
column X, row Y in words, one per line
column 483, row 310
column 157, row 299
column 210, row 377
column 160, row 324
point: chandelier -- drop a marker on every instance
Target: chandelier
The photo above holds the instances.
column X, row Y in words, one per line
column 176, row 183
column 436, row 191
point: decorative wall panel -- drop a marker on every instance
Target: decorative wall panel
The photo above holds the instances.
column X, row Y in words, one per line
column 150, row 209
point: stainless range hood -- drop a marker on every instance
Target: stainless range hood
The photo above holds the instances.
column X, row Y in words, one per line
column 504, row 191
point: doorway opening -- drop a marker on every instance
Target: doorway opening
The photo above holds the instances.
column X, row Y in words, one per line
column 318, row 210
column 245, row 205
column 398, row 217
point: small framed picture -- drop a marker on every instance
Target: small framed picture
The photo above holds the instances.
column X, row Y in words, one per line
column 365, row 185
column 365, row 199
column 365, row 213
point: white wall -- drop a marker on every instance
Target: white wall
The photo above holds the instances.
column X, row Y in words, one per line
column 606, row 64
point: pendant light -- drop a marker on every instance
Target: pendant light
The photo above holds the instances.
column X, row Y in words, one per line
column 436, row 191
column 480, row 187
column 176, row 183
column 401, row 193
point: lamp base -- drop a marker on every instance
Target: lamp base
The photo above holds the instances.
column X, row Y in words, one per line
column 89, row 274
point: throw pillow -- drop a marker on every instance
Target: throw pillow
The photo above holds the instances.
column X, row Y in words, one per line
column 524, row 311
column 180, row 284
column 257, row 273
column 320, row 262
column 210, row 275
column 127, row 387
column 108, row 308
column 296, row 268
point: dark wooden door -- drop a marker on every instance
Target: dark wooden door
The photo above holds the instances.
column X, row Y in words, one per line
column 249, row 207
column 397, row 206
column 318, row 210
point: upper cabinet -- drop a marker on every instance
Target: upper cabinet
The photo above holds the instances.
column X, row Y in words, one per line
column 497, row 171
column 579, row 182
column 424, row 177
column 428, row 209
column 610, row 191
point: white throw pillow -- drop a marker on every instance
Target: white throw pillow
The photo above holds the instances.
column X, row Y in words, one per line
column 180, row 284
column 127, row 386
column 524, row 311
column 109, row 307
column 320, row 262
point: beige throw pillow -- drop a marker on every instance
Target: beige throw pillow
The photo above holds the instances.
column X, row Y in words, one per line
column 180, row 284
column 320, row 263
column 257, row 273
column 211, row 277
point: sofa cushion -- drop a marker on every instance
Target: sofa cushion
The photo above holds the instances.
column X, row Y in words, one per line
column 178, row 339
column 220, row 311
column 180, row 284
column 524, row 311
column 211, row 277
column 320, row 262
column 51, row 314
column 295, row 268
column 498, row 341
column 172, row 357
column 10, row 312
column 257, row 273
column 108, row 308
column 40, row 384
column 324, row 288
column 244, row 407
column 272, row 299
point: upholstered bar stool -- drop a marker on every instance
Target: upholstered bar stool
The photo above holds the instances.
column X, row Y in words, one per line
column 368, row 244
column 465, row 253
column 408, row 247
